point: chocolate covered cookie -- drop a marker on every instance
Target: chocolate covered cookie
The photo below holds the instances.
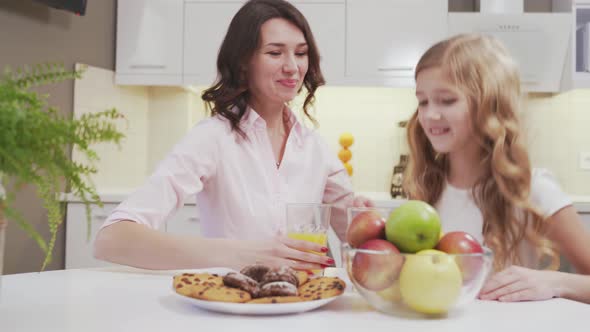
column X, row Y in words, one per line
column 256, row 271
column 278, row 288
column 283, row 273
column 241, row 281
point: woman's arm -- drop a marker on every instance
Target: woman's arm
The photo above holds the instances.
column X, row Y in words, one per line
column 133, row 244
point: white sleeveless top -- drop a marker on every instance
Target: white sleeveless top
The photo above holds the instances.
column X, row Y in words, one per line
column 458, row 211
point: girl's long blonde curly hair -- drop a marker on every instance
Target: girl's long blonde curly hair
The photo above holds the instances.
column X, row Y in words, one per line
column 482, row 69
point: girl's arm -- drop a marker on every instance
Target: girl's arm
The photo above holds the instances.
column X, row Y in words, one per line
column 573, row 286
column 521, row 284
column 572, row 238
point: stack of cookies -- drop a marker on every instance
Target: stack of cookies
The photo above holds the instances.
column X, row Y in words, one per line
column 258, row 284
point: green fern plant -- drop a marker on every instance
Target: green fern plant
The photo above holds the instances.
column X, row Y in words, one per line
column 35, row 141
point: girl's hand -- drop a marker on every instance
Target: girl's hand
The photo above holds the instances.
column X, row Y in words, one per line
column 520, row 284
column 360, row 201
column 281, row 251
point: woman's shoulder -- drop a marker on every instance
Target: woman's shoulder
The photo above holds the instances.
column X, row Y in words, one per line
column 211, row 126
column 204, row 135
column 313, row 137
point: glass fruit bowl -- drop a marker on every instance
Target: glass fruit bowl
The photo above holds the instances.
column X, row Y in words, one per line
column 402, row 263
column 428, row 283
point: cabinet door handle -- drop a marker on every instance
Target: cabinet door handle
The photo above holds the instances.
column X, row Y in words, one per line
column 395, row 68
column 99, row 216
column 193, row 219
column 147, row 66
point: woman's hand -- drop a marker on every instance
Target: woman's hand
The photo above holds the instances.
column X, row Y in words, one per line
column 360, row 201
column 281, row 251
column 520, row 284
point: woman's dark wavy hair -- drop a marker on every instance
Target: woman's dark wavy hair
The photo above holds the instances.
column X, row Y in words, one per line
column 241, row 41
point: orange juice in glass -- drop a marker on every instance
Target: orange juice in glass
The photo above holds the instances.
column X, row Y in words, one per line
column 309, row 222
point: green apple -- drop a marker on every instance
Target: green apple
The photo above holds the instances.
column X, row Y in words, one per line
column 413, row 226
column 430, row 282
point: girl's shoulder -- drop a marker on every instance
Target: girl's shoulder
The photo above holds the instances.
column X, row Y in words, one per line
column 544, row 179
column 546, row 192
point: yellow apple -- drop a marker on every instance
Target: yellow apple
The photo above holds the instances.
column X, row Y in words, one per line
column 391, row 293
column 430, row 281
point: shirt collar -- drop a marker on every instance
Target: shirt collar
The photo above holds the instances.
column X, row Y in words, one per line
column 252, row 121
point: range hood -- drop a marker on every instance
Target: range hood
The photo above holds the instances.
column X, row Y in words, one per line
column 539, row 42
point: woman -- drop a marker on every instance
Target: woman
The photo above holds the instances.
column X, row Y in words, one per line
column 244, row 163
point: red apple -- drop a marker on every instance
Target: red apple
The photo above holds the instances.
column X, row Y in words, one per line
column 365, row 226
column 463, row 243
column 377, row 271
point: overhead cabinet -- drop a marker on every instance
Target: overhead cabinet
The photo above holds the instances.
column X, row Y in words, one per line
column 176, row 42
column 537, row 41
column 149, row 42
column 327, row 22
column 385, row 38
column 361, row 42
column 206, row 23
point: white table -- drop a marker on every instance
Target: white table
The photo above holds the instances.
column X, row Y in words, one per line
column 123, row 299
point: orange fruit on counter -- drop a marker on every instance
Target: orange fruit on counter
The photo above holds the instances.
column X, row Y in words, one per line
column 344, row 155
column 348, row 168
column 346, row 140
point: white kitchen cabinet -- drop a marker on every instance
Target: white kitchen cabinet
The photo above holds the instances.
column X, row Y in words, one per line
column 149, row 42
column 206, row 23
column 80, row 251
column 537, row 42
column 185, row 221
column 327, row 21
column 580, row 60
column 385, row 38
column 577, row 68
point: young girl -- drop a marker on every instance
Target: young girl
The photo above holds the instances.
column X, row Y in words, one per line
column 244, row 163
column 467, row 158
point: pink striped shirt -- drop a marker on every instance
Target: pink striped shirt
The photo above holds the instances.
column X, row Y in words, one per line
column 240, row 193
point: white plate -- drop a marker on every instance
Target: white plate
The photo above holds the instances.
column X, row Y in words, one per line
column 252, row 308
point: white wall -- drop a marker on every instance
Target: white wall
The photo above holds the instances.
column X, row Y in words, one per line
column 125, row 167
column 557, row 128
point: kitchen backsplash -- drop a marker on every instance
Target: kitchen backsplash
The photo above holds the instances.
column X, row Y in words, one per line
column 157, row 117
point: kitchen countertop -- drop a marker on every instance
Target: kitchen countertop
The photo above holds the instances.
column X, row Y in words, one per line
column 124, row 299
column 581, row 203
